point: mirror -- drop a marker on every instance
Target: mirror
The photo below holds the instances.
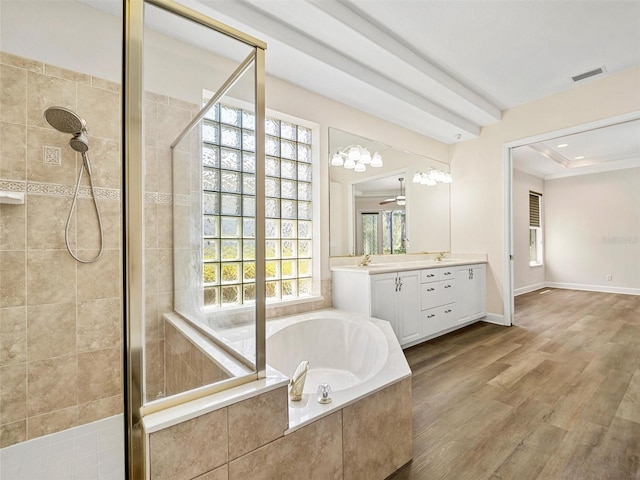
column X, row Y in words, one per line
column 368, row 213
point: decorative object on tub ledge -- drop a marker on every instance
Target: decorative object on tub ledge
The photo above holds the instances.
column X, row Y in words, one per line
column 432, row 177
column 324, row 393
column 297, row 382
column 355, row 157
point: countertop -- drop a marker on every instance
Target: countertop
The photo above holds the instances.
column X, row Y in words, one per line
column 376, row 268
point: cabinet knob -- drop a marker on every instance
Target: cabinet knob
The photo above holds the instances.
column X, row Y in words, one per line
column 431, row 315
column 447, row 286
column 430, row 289
column 447, row 311
column 430, row 275
column 447, row 273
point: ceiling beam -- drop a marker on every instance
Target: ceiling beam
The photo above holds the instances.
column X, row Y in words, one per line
column 250, row 13
column 353, row 17
column 545, row 151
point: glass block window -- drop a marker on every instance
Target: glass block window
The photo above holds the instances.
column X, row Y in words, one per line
column 229, row 200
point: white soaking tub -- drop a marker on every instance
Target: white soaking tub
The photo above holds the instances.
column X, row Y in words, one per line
column 354, row 354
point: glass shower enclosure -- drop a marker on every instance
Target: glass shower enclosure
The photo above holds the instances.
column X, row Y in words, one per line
column 193, row 145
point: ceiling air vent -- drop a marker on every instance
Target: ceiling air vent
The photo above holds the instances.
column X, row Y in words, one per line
column 590, row 73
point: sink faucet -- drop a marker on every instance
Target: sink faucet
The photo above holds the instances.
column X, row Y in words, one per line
column 366, row 260
column 440, row 256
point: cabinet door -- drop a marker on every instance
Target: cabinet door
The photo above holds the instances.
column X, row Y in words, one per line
column 478, row 298
column 383, row 299
column 408, row 300
column 471, row 292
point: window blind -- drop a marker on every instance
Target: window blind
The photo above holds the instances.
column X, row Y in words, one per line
column 534, row 209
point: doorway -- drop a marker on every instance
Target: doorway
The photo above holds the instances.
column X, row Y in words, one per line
column 585, row 169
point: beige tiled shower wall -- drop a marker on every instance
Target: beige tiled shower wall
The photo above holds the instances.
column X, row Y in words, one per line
column 187, row 367
column 60, row 321
column 165, row 118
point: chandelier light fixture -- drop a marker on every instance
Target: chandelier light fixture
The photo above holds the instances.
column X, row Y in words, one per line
column 432, row 177
column 355, row 157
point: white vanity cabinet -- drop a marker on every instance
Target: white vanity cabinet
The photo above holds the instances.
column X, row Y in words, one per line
column 420, row 304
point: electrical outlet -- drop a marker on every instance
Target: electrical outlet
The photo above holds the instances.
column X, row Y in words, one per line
column 609, row 277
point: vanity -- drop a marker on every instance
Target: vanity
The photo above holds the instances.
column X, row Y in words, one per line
column 421, row 299
column 396, row 218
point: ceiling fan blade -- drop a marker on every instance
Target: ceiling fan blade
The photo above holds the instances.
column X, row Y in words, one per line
column 388, row 200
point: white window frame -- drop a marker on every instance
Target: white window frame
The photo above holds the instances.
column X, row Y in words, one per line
column 536, row 235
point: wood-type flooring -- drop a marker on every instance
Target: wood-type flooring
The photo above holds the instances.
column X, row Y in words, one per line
column 555, row 396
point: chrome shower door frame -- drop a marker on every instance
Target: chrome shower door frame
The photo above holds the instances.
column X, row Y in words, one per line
column 133, row 218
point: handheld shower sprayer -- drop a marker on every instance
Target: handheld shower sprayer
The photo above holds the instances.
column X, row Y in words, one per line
column 66, row 121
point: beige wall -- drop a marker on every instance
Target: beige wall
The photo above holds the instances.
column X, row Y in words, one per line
column 593, row 230
column 60, row 321
column 477, row 165
column 525, row 277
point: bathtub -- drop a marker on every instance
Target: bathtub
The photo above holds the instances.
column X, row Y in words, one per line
column 356, row 355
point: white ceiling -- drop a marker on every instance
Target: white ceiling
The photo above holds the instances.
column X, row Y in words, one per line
column 609, row 148
column 442, row 68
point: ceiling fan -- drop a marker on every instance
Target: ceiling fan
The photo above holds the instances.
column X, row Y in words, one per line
column 400, row 200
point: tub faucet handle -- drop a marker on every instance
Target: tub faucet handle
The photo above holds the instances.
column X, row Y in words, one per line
column 324, row 393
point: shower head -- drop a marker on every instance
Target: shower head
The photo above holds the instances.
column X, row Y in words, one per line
column 79, row 142
column 64, row 120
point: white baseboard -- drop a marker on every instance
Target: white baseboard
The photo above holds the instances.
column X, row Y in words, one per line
column 529, row 288
column 593, row 288
column 494, row 318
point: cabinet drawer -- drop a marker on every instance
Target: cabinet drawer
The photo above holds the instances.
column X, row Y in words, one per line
column 437, row 274
column 438, row 319
column 431, row 275
column 447, row 291
column 447, row 273
column 435, row 294
column 429, row 295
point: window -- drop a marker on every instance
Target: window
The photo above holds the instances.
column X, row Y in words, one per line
column 535, row 229
column 229, row 200
column 383, row 232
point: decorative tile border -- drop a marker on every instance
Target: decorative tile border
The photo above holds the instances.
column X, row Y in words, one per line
column 13, row 186
column 165, row 198
column 182, row 199
column 50, row 189
column 55, row 190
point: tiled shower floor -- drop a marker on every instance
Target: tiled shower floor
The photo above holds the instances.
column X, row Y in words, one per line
column 90, row 452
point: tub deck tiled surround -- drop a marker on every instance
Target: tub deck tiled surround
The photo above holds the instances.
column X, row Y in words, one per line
column 249, row 440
